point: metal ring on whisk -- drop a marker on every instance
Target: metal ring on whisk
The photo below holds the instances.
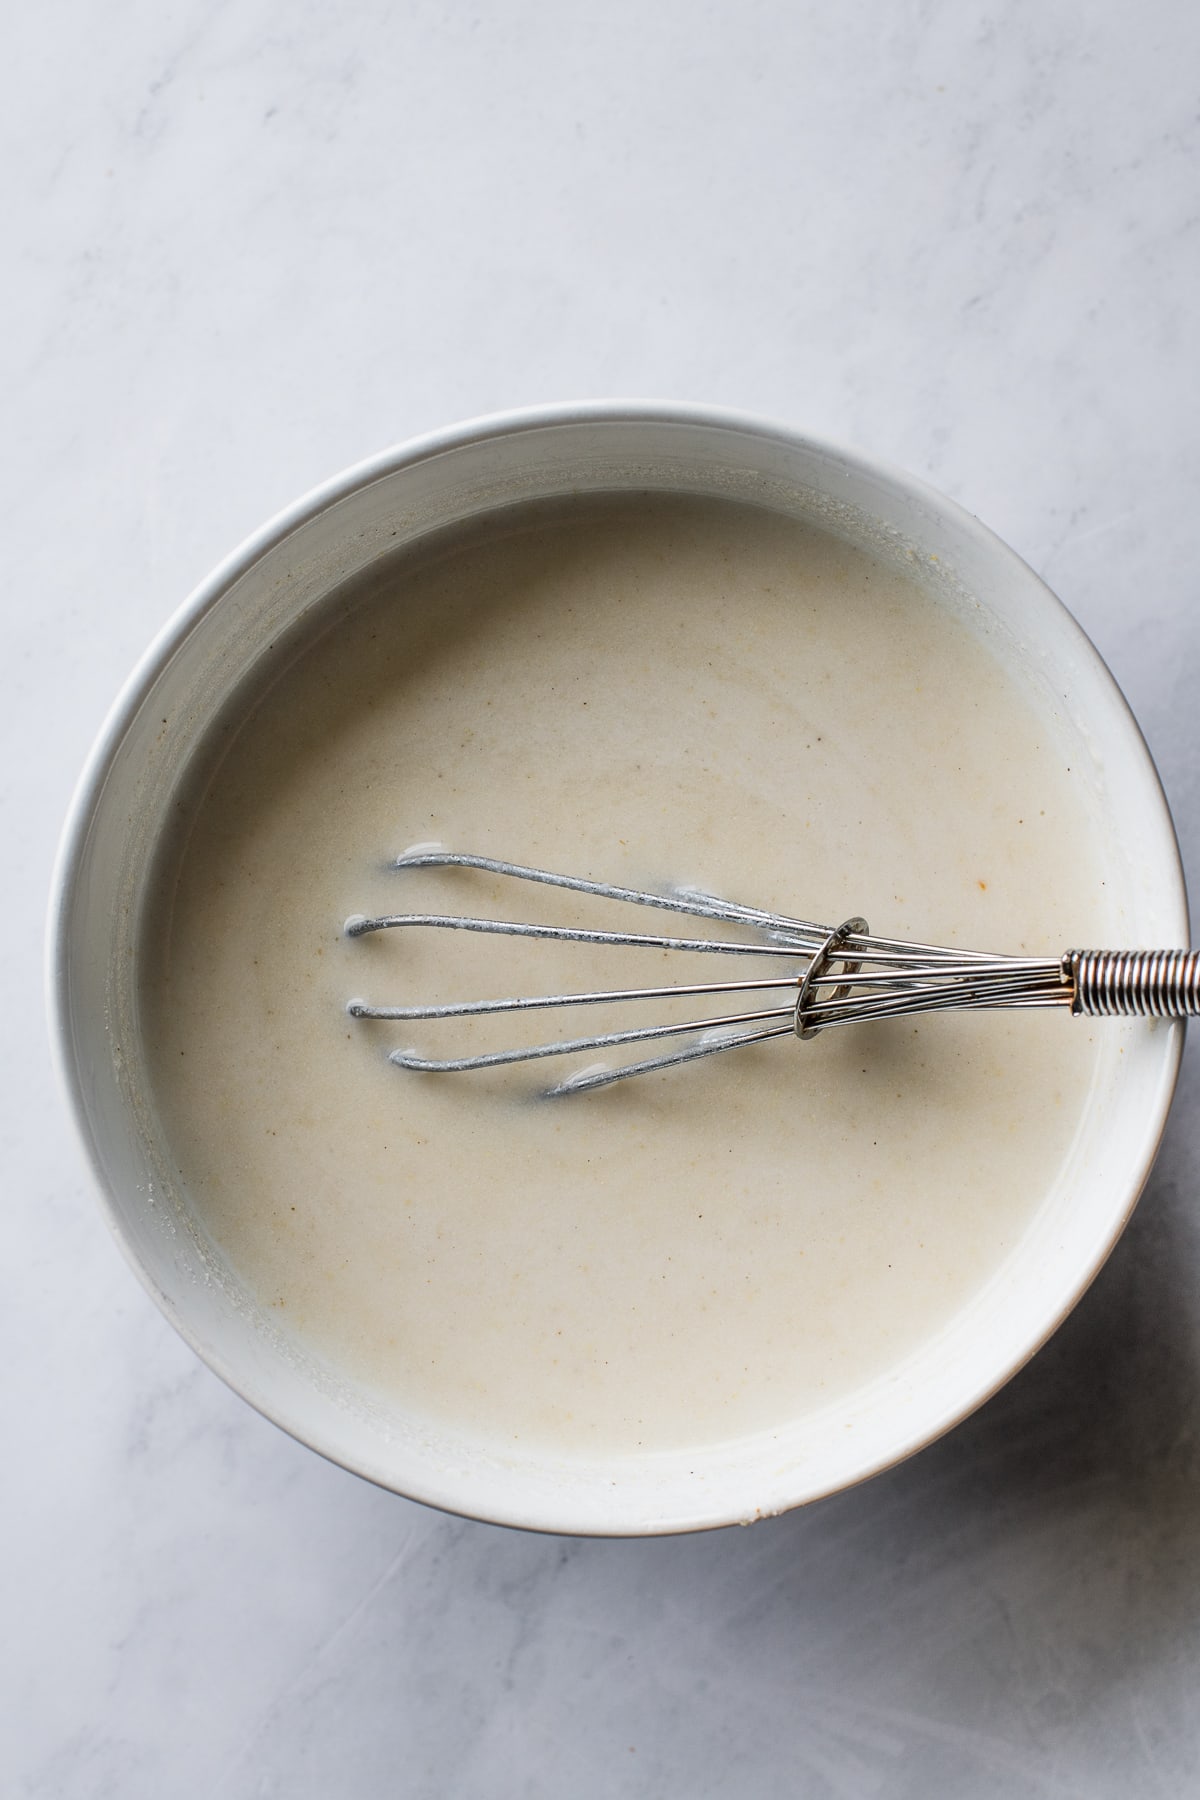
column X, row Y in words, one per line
column 817, row 968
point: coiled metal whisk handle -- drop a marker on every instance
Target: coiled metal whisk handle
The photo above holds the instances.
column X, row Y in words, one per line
column 1161, row 984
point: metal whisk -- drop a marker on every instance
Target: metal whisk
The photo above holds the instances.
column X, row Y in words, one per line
column 845, row 976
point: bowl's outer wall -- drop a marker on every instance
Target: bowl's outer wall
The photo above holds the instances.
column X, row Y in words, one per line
column 265, row 590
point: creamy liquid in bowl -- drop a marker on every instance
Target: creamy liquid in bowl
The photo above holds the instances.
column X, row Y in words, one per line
column 646, row 692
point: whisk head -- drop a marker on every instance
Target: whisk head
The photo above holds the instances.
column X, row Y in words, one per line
column 824, row 976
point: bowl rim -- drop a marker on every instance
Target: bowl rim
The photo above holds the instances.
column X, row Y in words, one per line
column 317, row 500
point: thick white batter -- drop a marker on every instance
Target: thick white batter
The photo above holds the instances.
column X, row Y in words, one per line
column 645, row 693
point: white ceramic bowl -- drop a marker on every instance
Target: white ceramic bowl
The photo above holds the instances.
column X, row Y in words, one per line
column 295, row 563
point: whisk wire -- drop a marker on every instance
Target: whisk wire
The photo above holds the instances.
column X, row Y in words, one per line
column 847, row 977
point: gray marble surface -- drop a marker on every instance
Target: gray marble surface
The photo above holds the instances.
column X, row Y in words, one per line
column 248, row 245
